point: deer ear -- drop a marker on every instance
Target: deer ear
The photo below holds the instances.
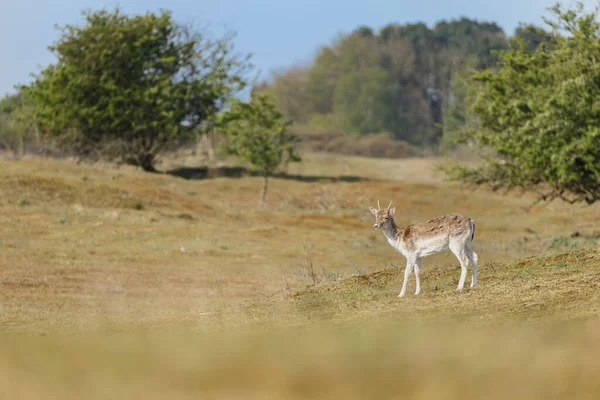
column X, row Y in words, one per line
column 392, row 211
column 373, row 211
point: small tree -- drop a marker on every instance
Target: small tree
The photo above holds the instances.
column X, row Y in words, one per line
column 538, row 114
column 257, row 133
column 128, row 87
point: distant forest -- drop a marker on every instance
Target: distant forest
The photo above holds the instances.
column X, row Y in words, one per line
column 405, row 80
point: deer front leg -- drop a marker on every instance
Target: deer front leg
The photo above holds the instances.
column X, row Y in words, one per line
column 418, row 264
column 409, row 266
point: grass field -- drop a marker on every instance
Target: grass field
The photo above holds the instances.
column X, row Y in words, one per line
column 119, row 284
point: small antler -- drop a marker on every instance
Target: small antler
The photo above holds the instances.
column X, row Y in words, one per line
column 378, row 206
column 389, row 205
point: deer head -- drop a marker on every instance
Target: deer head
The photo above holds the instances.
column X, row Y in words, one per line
column 382, row 216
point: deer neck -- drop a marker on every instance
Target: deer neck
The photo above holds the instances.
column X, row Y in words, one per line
column 392, row 231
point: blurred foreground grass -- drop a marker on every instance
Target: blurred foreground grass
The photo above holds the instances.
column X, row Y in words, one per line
column 383, row 360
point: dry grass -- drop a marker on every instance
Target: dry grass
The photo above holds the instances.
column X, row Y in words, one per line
column 83, row 244
column 563, row 286
column 96, row 248
column 380, row 145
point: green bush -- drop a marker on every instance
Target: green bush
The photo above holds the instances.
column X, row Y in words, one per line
column 538, row 114
column 128, row 87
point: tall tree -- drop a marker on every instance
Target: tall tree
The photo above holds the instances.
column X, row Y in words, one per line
column 532, row 36
column 128, row 87
column 360, row 102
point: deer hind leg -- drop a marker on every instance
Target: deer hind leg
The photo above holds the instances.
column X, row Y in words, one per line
column 472, row 256
column 418, row 264
column 409, row 267
column 460, row 253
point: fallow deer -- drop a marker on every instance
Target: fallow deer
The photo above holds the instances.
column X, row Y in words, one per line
column 451, row 232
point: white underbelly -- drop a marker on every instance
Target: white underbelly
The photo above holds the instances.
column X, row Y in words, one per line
column 428, row 247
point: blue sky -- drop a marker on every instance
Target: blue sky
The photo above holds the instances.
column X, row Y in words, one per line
column 280, row 33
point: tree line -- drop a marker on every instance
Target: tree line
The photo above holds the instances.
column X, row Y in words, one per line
column 405, row 80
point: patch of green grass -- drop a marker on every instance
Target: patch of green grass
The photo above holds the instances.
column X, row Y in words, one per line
column 565, row 242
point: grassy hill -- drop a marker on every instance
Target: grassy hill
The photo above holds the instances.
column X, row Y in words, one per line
column 115, row 284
